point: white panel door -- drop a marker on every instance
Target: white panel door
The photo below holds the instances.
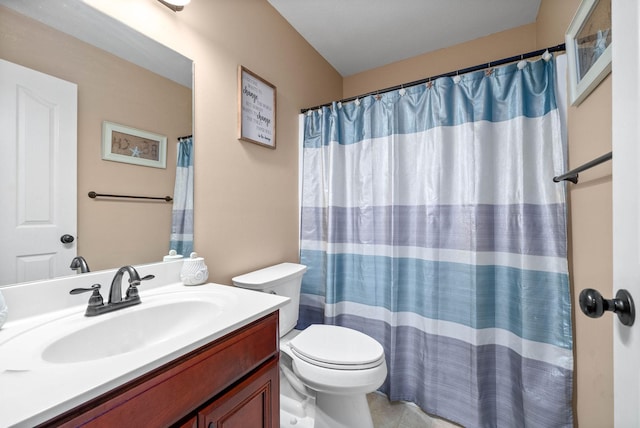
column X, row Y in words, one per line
column 38, row 139
column 626, row 205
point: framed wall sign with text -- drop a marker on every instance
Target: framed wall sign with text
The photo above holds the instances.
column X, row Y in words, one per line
column 256, row 109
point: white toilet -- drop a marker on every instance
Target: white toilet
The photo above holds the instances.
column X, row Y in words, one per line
column 325, row 370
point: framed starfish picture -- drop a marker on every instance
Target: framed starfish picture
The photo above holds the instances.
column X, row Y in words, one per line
column 130, row 145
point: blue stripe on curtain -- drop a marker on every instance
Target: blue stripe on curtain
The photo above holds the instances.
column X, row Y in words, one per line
column 430, row 222
column 440, row 290
column 423, row 108
column 182, row 215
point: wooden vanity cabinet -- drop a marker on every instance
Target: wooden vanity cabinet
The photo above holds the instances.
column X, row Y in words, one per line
column 248, row 404
column 231, row 382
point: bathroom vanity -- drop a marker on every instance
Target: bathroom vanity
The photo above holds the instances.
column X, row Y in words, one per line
column 232, row 381
column 204, row 356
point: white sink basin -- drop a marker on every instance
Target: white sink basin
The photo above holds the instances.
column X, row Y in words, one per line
column 139, row 327
column 75, row 338
column 53, row 358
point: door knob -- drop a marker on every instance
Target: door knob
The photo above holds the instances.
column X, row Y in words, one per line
column 66, row 239
column 593, row 305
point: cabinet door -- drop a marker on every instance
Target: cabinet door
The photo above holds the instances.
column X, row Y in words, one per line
column 254, row 402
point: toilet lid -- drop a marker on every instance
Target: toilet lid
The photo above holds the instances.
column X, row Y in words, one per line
column 337, row 347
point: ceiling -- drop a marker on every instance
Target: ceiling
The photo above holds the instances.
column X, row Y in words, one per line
column 86, row 23
column 358, row 35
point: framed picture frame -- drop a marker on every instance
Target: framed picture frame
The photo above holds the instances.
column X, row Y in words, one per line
column 122, row 143
column 588, row 44
column 256, row 109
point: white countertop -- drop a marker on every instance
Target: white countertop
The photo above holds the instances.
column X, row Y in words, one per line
column 33, row 390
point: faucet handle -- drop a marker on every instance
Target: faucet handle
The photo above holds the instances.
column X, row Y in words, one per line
column 132, row 291
column 136, row 282
column 96, row 297
column 94, row 288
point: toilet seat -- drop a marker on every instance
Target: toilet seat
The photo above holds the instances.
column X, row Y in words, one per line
column 337, row 348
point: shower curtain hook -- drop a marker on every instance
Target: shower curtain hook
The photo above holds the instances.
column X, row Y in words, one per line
column 489, row 71
column 457, row 78
column 522, row 63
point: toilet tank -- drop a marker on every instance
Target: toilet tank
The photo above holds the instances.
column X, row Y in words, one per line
column 284, row 279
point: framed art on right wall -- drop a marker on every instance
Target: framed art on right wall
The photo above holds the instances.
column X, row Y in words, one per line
column 256, row 109
column 588, row 43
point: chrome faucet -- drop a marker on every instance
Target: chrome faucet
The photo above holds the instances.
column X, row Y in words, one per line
column 96, row 304
column 115, row 292
column 79, row 263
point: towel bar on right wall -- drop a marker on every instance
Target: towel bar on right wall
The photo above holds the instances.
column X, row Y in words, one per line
column 572, row 175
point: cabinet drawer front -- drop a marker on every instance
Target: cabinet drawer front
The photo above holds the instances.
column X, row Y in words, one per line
column 173, row 391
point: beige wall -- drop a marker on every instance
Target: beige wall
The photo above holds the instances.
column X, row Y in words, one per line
column 590, row 221
column 111, row 233
column 591, row 231
column 245, row 194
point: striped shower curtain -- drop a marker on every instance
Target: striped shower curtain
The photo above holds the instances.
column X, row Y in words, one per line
column 430, row 221
column 182, row 215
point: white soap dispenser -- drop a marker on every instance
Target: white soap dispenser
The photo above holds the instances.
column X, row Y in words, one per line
column 194, row 271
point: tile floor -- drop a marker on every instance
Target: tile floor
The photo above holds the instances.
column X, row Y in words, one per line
column 399, row 414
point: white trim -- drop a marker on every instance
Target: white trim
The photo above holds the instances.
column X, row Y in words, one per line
column 626, row 206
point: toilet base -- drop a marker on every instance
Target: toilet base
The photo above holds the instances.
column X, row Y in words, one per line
column 342, row 411
column 297, row 407
column 294, row 414
column 319, row 409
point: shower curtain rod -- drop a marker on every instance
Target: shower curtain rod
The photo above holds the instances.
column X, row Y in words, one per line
column 557, row 48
